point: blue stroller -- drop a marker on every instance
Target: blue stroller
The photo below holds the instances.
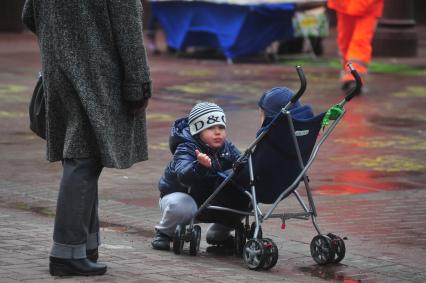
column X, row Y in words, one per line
column 269, row 170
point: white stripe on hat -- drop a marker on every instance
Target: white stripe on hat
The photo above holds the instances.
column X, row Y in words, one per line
column 201, row 109
column 205, row 115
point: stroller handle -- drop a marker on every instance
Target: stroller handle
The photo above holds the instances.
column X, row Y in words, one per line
column 358, row 83
column 302, row 85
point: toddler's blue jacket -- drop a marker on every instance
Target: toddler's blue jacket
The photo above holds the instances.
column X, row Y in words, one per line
column 184, row 173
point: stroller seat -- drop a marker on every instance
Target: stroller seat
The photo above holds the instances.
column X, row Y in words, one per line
column 275, row 161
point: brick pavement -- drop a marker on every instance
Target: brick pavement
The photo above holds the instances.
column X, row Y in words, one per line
column 369, row 179
column 375, row 253
column 25, row 241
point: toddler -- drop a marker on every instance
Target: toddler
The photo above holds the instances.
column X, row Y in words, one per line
column 200, row 150
column 273, row 100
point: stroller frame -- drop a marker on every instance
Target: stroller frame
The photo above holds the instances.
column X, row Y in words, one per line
column 261, row 253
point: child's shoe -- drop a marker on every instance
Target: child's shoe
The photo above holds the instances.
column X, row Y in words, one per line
column 228, row 243
column 161, row 241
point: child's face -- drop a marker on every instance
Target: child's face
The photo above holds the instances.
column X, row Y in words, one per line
column 214, row 136
column 262, row 116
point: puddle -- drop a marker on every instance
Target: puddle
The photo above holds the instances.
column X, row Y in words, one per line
column 43, row 210
column 384, row 142
column 396, row 122
column 412, row 92
column 335, row 273
column 390, row 163
column 341, row 190
column 360, row 182
column 36, row 209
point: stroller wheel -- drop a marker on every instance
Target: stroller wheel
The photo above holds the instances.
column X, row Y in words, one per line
column 338, row 246
column 321, row 249
column 179, row 239
column 254, row 254
column 240, row 240
column 194, row 242
column 271, row 249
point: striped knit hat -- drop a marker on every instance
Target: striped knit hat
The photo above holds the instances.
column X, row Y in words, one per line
column 204, row 115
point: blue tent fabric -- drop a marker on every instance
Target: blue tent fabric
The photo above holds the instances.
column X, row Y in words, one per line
column 236, row 30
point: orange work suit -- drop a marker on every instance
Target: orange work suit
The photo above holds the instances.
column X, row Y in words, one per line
column 356, row 23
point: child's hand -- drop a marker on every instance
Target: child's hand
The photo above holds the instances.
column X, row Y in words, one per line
column 203, row 159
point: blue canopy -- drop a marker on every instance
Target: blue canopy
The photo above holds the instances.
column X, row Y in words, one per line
column 236, row 30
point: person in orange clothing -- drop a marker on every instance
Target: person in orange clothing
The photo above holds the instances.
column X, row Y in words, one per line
column 356, row 23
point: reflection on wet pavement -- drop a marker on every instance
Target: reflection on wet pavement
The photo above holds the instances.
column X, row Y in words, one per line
column 397, row 121
column 412, row 92
column 394, row 141
column 335, row 273
column 351, row 189
column 390, row 163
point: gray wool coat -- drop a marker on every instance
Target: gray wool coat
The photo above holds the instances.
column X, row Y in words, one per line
column 93, row 63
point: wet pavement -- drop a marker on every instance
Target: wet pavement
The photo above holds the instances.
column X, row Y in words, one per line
column 369, row 179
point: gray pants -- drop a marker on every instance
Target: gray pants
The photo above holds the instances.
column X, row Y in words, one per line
column 76, row 222
column 180, row 208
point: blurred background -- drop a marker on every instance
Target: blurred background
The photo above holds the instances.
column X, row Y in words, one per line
column 243, row 28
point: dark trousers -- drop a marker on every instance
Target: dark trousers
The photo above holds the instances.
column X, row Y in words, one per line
column 76, row 223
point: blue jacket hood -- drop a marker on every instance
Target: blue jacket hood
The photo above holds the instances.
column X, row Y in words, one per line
column 179, row 133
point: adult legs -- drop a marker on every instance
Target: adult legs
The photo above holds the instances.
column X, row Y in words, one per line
column 93, row 239
column 76, row 223
column 360, row 49
column 355, row 35
column 345, row 29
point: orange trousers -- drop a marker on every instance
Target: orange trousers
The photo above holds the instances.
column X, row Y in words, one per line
column 354, row 39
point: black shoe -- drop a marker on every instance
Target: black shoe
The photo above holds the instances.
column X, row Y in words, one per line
column 161, row 241
column 72, row 267
column 92, row 255
column 222, row 248
column 228, row 243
